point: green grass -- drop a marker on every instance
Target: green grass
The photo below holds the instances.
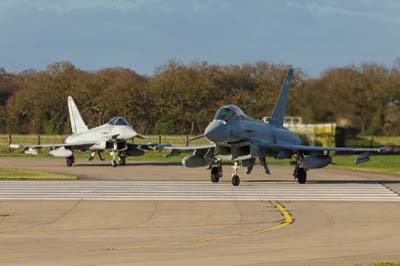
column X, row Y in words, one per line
column 383, row 263
column 379, row 163
column 18, row 174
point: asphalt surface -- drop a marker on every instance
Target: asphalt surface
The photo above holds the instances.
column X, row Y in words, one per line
column 170, row 215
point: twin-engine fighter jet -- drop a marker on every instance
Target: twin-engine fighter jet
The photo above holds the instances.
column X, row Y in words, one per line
column 240, row 138
column 113, row 136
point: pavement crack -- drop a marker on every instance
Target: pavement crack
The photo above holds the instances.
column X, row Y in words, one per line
column 237, row 206
column 151, row 215
column 64, row 214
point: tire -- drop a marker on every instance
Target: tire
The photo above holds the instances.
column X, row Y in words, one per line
column 301, row 176
column 215, row 174
column 235, row 180
column 114, row 163
column 69, row 162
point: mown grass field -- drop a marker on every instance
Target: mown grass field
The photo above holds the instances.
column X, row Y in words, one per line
column 383, row 263
column 18, row 174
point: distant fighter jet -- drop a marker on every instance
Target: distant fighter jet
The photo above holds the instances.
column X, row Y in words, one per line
column 112, row 136
column 240, row 138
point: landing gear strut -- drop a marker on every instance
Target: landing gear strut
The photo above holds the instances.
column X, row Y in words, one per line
column 299, row 172
column 122, row 160
column 91, row 157
column 235, row 177
column 70, row 160
column 216, row 170
column 114, row 155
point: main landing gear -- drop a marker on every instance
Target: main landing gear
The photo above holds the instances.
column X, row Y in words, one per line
column 299, row 172
column 70, row 160
column 216, row 170
column 301, row 175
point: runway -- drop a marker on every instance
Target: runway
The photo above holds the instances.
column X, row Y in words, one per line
column 162, row 214
column 193, row 191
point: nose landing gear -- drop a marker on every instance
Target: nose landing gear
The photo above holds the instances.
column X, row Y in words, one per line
column 235, row 176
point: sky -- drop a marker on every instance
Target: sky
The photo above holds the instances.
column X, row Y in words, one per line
column 144, row 34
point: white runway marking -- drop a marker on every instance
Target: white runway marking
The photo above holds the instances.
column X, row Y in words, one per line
column 166, row 190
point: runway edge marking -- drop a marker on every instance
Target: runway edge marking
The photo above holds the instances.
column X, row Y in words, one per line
column 288, row 219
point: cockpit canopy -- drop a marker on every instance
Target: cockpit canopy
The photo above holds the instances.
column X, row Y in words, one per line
column 118, row 121
column 228, row 112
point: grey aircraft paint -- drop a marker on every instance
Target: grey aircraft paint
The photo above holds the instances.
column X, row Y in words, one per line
column 238, row 137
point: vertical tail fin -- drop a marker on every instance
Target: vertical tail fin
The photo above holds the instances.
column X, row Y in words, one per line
column 77, row 123
column 278, row 115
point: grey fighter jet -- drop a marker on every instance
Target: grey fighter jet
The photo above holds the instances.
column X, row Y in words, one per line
column 238, row 137
column 113, row 136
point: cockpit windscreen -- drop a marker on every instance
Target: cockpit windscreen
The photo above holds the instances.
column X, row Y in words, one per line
column 118, row 121
column 223, row 114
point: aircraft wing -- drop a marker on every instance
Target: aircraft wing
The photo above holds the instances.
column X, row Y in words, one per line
column 78, row 145
column 292, row 147
column 175, row 150
column 187, row 148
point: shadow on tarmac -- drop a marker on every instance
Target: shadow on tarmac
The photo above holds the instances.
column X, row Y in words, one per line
column 131, row 164
column 330, row 181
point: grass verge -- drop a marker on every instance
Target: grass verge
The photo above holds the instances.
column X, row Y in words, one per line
column 383, row 263
column 389, row 164
column 18, row 174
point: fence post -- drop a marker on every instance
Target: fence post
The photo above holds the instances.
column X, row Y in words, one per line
column 38, row 139
column 159, row 139
column 187, row 140
column 9, row 139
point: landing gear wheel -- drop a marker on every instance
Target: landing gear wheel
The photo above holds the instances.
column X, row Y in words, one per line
column 114, row 163
column 301, row 176
column 235, row 180
column 70, row 161
column 215, row 174
column 122, row 161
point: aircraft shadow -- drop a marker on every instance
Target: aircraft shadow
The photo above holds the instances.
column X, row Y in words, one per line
column 330, row 181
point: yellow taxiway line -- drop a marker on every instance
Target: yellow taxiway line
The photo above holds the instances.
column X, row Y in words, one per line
column 288, row 219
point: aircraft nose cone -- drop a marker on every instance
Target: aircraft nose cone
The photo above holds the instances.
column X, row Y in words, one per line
column 216, row 131
column 130, row 133
column 125, row 132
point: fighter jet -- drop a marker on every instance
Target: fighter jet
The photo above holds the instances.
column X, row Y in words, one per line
column 241, row 138
column 113, row 136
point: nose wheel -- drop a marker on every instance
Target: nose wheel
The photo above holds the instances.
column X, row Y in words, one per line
column 235, row 176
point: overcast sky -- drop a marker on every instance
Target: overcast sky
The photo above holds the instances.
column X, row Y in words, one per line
column 143, row 34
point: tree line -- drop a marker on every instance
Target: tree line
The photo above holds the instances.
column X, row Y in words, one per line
column 182, row 98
